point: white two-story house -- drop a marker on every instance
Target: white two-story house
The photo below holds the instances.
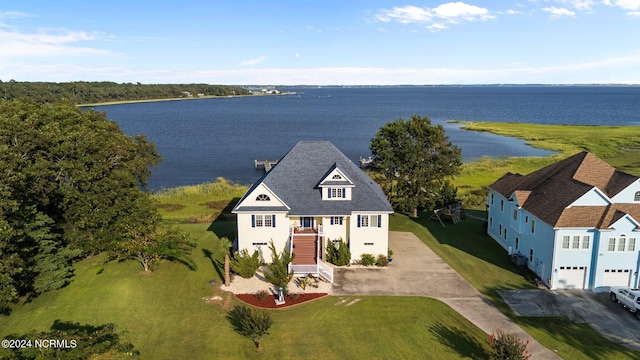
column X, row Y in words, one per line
column 314, row 195
column 575, row 223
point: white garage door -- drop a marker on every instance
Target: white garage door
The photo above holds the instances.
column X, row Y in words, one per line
column 571, row 277
column 616, row 277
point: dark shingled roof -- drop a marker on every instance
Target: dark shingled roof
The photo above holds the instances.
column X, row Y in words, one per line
column 547, row 192
column 295, row 179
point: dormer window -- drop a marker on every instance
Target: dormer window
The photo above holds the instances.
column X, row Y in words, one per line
column 336, row 193
column 263, row 197
column 636, row 196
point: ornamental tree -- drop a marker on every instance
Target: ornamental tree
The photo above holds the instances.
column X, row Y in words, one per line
column 250, row 323
column 416, row 160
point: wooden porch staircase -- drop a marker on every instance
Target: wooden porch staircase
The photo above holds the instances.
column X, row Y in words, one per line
column 304, row 247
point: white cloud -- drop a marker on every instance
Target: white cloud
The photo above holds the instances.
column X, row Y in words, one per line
column 460, row 10
column 45, row 44
column 582, row 5
column 613, row 70
column 628, row 4
column 558, row 12
column 13, row 15
column 513, row 12
column 634, row 13
column 311, row 28
column 256, row 61
column 435, row 18
column 406, row 15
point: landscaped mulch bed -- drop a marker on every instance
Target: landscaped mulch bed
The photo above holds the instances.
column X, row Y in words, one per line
column 270, row 303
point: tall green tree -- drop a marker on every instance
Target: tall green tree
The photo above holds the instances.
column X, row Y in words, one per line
column 417, row 160
column 72, row 184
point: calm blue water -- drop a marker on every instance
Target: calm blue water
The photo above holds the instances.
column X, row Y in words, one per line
column 203, row 139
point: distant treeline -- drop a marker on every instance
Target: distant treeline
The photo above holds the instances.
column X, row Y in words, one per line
column 82, row 92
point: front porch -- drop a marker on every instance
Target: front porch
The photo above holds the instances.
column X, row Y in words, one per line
column 306, row 245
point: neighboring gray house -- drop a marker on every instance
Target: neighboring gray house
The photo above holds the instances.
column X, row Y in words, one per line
column 576, row 222
column 312, row 196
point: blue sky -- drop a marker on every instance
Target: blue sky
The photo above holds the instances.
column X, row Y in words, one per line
column 322, row 42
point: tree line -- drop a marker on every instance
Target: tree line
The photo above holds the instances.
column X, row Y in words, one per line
column 83, row 92
column 72, row 186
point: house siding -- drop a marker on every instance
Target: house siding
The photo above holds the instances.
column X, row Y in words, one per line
column 555, row 192
column 368, row 240
column 627, row 195
column 249, row 235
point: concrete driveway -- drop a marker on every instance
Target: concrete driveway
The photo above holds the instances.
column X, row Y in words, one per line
column 610, row 319
column 418, row 271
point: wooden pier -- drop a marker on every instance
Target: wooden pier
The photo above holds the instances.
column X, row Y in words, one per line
column 266, row 164
column 365, row 162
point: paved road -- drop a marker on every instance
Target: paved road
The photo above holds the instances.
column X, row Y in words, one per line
column 418, row 271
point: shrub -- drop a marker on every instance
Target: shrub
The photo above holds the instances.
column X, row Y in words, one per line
column 507, row 347
column 294, row 296
column 338, row 253
column 245, row 265
column 278, row 272
column 367, row 259
column 262, row 294
column 382, row 260
column 249, row 322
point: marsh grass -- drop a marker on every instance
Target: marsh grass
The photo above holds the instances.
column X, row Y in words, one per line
column 198, row 203
column 617, row 145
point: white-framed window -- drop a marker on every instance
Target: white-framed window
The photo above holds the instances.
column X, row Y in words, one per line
column 576, row 242
column 515, row 214
column 586, row 242
column 336, row 220
column 369, row 220
column 636, row 196
column 530, row 255
column 533, row 226
column 374, row 221
column 632, row 244
column 565, row 242
column 517, row 243
column 612, row 244
column 336, row 192
column 505, row 233
column 622, row 242
column 492, row 198
column 261, row 220
column 336, row 177
column 263, row 197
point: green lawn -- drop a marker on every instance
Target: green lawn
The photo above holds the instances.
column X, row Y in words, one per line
column 486, row 266
column 165, row 316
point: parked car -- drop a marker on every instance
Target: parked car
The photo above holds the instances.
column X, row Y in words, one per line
column 629, row 298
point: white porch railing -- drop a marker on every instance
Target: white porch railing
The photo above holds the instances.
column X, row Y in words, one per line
column 325, row 270
column 319, row 269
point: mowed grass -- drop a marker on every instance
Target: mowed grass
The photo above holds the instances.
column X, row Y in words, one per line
column 166, row 315
column 486, row 266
